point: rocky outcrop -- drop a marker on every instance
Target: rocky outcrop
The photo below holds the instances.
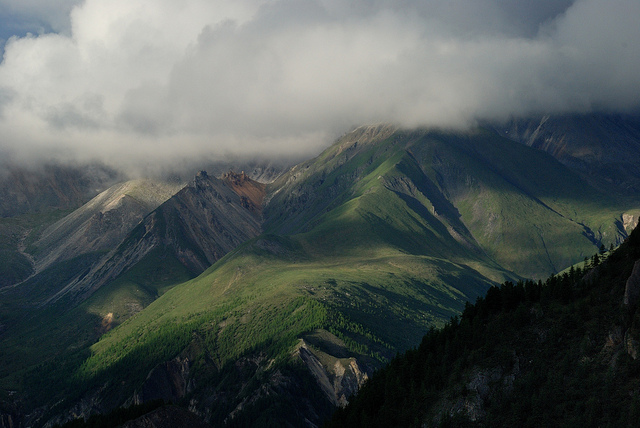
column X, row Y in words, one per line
column 632, row 287
column 629, row 222
column 285, row 392
column 168, row 381
column 632, row 344
column 167, row 417
column 482, row 386
column 251, row 192
column 338, row 378
column 90, row 404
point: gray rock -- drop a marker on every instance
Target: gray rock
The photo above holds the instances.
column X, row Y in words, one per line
column 632, row 288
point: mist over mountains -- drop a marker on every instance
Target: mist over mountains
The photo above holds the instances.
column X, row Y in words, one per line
column 159, row 81
column 233, row 213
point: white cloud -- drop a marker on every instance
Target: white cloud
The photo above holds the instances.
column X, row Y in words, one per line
column 156, row 79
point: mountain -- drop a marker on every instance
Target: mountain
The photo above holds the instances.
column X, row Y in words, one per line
column 84, row 234
column 304, row 286
column 196, row 226
column 112, row 242
column 32, row 198
column 559, row 353
column 101, row 223
column 34, row 189
column 491, row 197
column 605, row 148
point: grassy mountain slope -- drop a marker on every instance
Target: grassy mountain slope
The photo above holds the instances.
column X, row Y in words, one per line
column 562, row 353
column 501, row 201
column 32, row 335
column 60, row 252
column 385, row 234
column 34, row 331
column 266, row 296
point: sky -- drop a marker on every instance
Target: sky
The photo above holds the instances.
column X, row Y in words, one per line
column 140, row 82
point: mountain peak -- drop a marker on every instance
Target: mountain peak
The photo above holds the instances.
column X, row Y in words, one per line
column 251, row 192
column 235, row 177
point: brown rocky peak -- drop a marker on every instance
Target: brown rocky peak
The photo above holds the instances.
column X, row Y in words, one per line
column 236, row 178
column 250, row 191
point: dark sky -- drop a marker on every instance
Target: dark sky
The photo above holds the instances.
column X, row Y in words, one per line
column 156, row 79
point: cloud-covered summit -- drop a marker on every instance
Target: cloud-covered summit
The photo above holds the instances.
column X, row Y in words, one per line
column 137, row 81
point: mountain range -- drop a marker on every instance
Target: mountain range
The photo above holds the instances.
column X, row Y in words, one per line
column 245, row 302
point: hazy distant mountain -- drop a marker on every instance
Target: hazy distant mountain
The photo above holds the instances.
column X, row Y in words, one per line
column 603, row 147
column 38, row 188
column 32, row 198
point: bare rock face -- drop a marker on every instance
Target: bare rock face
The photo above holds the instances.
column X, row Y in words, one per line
column 168, row 381
column 632, row 344
column 339, row 378
column 629, row 222
column 167, row 417
column 90, row 404
column 632, row 288
column 482, row 386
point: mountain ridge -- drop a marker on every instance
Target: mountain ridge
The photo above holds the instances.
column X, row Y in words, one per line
column 352, row 256
column 197, row 226
column 90, row 228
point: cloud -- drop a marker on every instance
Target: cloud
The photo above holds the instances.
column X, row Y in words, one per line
column 141, row 81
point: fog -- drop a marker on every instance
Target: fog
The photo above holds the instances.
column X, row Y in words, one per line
column 146, row 82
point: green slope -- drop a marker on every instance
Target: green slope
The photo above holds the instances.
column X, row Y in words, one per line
column 559, row 353
column 383, row 236
column 266, row 296
column 518, row 206
column 35, row 333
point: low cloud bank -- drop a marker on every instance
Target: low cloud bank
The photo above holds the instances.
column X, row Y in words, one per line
column 139, row 82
